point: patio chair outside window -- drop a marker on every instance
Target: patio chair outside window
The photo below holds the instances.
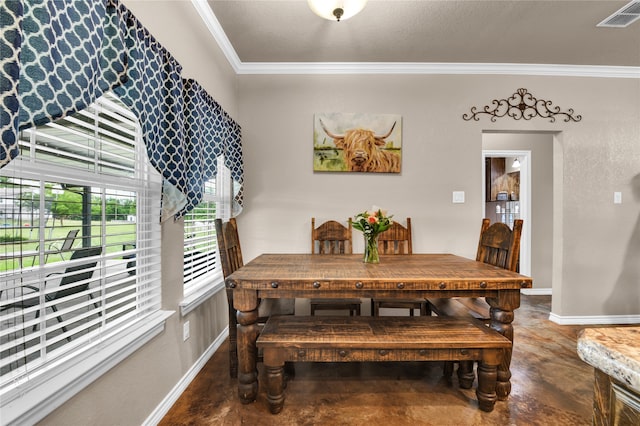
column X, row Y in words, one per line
column 75, row 280
column 57, row 248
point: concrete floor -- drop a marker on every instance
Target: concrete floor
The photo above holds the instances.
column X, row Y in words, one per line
column 550, row 386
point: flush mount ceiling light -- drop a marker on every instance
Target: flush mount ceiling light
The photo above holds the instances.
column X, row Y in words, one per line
column 337, row 10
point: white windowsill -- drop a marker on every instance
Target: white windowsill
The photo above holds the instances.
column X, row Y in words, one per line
column 198, row 297
column 30, row 402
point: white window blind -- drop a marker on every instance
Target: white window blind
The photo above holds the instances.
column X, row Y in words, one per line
column 201, row 267
column 79, row 240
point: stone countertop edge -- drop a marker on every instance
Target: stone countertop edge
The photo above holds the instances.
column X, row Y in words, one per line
column 613, row 350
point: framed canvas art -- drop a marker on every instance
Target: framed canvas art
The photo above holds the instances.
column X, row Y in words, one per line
column 357, row 142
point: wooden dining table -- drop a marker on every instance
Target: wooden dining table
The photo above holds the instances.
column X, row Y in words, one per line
column 396, row 276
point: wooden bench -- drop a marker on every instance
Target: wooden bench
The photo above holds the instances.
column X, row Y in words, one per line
column 356, row 339
column 461, row 307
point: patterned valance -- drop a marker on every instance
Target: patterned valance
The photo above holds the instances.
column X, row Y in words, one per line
column 233, row 160
column 210, row 133
column 57, row 58
column 60, row 56
column 203, row 144
column 153, row 91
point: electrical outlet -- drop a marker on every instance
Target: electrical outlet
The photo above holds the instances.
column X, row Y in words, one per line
column 185, row 331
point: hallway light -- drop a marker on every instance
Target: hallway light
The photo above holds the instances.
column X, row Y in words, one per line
column 516, row 163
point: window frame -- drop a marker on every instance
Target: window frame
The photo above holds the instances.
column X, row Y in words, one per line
column 31, row 396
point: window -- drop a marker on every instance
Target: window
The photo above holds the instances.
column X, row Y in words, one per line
column 200, row 263
column 79, row 244
column 202, row 270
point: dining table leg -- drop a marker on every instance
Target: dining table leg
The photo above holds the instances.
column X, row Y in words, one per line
column 502, row 316
column 246, row 304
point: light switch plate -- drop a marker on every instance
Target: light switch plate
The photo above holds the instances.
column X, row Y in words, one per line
column 458, row 197
column 617, row 198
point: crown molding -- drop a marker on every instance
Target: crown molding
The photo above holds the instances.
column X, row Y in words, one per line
column 436, row 68
column 288, row 68
column 214, row 27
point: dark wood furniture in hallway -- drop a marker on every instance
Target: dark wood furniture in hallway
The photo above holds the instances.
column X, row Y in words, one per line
column 338, row 276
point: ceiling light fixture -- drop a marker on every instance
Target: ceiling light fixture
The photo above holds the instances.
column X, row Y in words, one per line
column 338, row 10
column 516, row 163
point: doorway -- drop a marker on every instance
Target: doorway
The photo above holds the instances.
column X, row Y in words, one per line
column 506, row 190
column 540, row 200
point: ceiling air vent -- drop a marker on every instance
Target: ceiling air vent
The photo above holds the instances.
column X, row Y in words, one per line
column 623, row 17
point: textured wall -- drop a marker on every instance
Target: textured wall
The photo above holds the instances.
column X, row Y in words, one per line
column 441, row 154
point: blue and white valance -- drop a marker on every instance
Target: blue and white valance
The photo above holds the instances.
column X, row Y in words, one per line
column 234, row 161
column 210, row 133
column 204, row 142
column 59, row 56
column 153, row 91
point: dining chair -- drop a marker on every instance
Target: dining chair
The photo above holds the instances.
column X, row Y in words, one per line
column 397, row 240
column 231, row 259
column 499, row 246
column 332, row 237
column 75, row 280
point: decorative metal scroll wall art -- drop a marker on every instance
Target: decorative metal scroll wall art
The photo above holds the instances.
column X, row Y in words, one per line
column 522, row 105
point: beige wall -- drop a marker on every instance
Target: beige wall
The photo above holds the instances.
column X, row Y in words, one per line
column 443, row 153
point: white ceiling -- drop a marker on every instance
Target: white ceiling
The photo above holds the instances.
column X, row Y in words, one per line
column 517, row 32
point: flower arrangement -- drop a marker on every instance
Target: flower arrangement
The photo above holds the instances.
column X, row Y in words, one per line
column 372, row 223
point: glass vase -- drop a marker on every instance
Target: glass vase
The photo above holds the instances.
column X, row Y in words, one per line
column 371, row 249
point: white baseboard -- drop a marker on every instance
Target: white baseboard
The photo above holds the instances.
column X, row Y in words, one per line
column 168, row 401
column 536, row 291
column 595, row 319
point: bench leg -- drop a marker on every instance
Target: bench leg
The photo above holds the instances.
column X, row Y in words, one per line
column 275, row 387
column 465, row 374
column 486, row 391
column 447, row 370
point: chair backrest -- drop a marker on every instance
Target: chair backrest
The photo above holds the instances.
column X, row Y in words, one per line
column 499, row 245
column 331, row 237
column 228, row 246
column 78, row 273
column 396, row 239
column 68, row 240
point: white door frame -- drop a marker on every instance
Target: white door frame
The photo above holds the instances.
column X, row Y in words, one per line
column 525, row 200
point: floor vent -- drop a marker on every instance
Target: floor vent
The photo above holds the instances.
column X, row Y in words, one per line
column 623, row 17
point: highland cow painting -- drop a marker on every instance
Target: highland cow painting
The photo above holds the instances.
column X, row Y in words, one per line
column 352, row 142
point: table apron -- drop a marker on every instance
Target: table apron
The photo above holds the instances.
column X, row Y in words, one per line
column 399, row 294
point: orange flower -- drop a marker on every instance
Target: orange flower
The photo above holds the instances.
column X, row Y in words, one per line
column 372, row 222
